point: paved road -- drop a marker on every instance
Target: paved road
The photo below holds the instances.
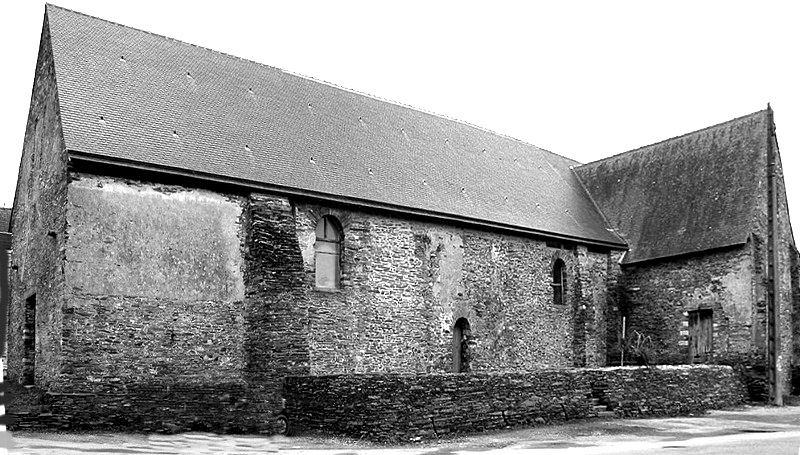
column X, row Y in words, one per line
column 752, row 430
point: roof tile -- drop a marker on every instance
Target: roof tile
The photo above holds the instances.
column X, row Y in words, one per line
column 687, row 194
column 168, row 103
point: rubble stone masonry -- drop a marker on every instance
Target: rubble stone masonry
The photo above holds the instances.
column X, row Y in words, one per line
column 144, row 300
column 405, row 282
column 156, row 285
column 38, row 243
column 657, row 297
column 405, row 407
column 169, row 294
column 174, row 292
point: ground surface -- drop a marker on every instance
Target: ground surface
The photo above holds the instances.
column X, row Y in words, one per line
column 750, row 430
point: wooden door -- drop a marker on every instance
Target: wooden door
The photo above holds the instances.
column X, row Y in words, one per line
column 701, row 328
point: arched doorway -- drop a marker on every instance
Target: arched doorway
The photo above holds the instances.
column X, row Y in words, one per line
column 461, row 336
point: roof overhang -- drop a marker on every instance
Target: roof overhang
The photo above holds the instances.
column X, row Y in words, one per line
column 682, row 255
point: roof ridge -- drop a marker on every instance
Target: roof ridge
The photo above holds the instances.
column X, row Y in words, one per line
column 330, row 84
column 638, row 149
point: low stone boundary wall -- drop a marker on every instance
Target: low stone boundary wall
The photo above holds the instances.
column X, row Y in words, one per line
column 400, row 407
column 170, row 408
column 667, row 390
column 383, row 407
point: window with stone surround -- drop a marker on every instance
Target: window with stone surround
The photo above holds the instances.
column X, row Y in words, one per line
column 328, row 249
column 559, row 282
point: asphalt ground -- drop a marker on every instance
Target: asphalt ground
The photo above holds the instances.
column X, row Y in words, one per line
column 748, row 430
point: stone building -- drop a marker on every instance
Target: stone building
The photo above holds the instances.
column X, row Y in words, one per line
column 700, row 213
column 190, row 227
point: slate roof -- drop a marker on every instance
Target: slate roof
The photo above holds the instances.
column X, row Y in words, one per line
column 687, row 194
column 5, row 219
column 134, row 97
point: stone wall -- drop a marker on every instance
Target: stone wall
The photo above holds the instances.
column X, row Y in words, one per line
column 598, row 279
column 656, row 298
column 154, row 326
column 165, row 406
column 405, row 282
column 404, row 407
column 39, row 242
column 5, row 287
column 789, row 285
column 156, row 285
column 185, row 288
column 614, row 310
column 276, row 303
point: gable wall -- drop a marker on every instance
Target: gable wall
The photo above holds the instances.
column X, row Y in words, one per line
column 787, row 298
column 5, row 285
column 789, row 282
column 39, row 226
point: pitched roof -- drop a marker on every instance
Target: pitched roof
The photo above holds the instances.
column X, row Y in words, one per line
column 135, row 97
column 691, row 193
column 5, row 219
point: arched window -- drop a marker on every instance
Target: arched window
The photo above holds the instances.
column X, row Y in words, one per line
column 328, row 249
column 559, row 282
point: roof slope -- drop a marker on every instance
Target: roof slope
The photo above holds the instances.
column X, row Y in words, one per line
column 137, row 97
column 5, row 219
column 691, row 193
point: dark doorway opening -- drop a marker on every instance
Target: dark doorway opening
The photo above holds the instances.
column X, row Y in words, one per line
column 29, row 341
column 461, row 337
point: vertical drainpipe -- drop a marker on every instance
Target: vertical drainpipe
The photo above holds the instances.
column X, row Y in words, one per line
column 773, row 280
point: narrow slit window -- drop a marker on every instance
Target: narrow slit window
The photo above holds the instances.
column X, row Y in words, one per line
column 461, row 338
column 559, row 282
column 328, row 249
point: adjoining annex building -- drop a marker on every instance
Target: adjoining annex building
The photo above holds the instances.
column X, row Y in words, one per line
column 190, row 228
